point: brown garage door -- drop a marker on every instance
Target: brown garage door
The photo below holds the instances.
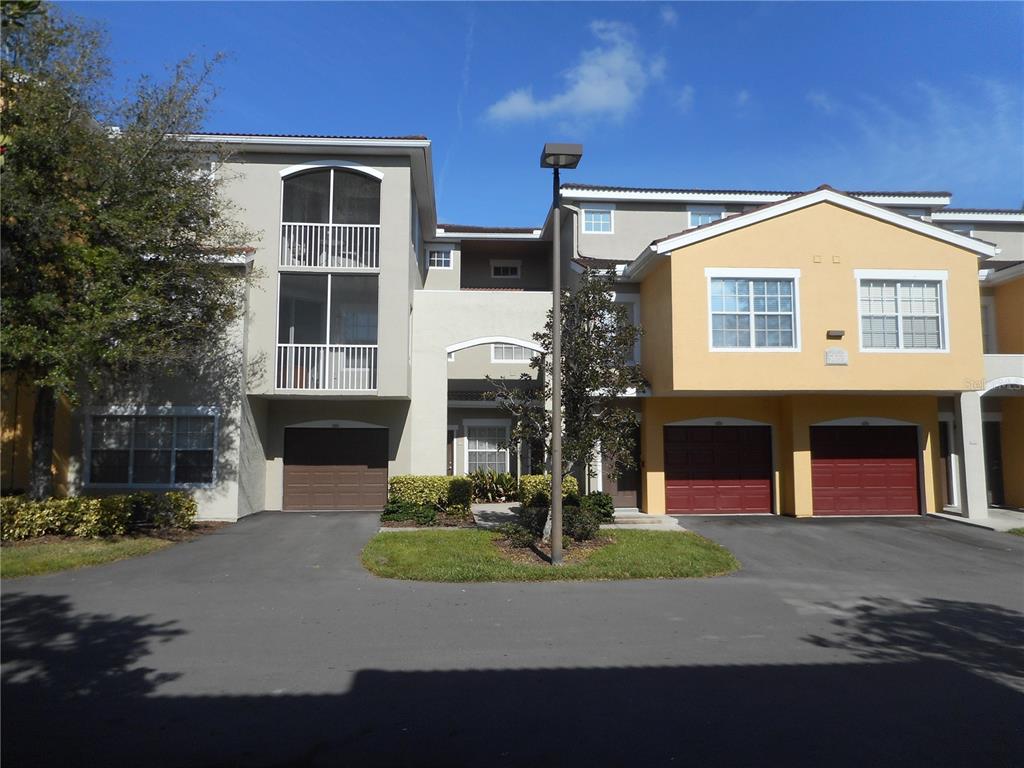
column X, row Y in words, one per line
column 864, row 470
column 713, row 470
column 335, row 469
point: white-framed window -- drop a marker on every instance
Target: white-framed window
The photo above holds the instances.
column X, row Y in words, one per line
column 439, row 258
column 505, row 269
column 753, row 310
column 485, row 446
column 914, row 213
column 704, row 214
column 152, row 448
column 965, row 229
column 599, row 219
column 902, row 311
column 510, row 353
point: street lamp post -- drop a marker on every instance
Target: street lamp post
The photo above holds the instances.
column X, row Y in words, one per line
column 556, row 157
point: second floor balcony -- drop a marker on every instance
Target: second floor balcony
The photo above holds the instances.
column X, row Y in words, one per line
column 327, row 333
column 330, row 246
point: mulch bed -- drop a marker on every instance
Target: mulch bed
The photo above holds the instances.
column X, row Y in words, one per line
column 539, row 553
column 167, row 534
column 443, row 520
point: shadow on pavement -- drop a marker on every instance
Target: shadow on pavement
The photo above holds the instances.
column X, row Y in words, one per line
column 74, row 694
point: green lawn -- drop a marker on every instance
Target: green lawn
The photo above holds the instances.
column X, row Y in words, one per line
column 469, row 555
column 34, row 558
column 1016, row 531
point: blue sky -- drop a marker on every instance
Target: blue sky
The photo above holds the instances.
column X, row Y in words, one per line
column 902, row 96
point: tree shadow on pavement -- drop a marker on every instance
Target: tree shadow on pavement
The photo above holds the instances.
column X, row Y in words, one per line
column 76, row 693
column 987, row 639
column 51, row 650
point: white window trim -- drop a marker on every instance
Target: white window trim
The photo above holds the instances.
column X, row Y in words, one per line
column 496, row 361
column 608, row 207
column 756, row 274
column 149, row 410
column 932, row 275
column 692, row 209
column 431, row 247
column 468, row 423
column 517, row 263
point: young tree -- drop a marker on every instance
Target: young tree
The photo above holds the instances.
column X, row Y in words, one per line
column 598, row 338
column 110, row 226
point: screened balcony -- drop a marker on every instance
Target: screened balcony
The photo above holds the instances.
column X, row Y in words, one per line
column 327, row 333
column 330, row 219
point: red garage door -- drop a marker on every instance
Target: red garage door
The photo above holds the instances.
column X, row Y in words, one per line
column 713, row 470
column 864, row 470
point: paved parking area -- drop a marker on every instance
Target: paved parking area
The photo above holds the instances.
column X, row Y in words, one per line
column 840, row 642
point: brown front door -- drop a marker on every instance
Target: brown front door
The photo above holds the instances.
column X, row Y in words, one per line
column 624, row 488
column 335, row 469
column 718, row 470
column 864, row 470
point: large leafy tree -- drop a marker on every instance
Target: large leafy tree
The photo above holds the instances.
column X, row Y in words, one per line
column 113, row 229
column 598, row 370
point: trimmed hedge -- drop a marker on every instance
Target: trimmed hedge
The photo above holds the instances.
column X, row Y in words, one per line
column 94, row 517
column 445, row 492
column 580, row 524
column 535, row 490
column 600, row 504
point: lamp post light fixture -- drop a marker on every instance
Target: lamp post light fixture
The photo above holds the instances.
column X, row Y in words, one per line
column 557, row 156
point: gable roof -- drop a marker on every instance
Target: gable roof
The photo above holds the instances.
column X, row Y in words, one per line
column 823, row 194
column 578, row 191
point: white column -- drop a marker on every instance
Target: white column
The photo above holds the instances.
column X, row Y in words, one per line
column 970, row 446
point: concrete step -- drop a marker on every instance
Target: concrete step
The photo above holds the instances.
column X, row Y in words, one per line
column 638, row 518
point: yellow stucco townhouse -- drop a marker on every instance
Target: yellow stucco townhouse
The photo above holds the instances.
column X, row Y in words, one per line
column 800, row 356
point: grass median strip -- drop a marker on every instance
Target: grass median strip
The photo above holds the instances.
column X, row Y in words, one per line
column 470, row 555
column 33, row 558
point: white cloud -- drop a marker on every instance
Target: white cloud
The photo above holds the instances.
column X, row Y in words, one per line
column 932, row 137
column 684, row 99
column 607, row 81
column 822, row 101
column 658, row 67
column 742, row 97
column 669, row 17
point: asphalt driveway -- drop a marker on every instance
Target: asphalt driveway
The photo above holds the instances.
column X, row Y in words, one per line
column 840, row 642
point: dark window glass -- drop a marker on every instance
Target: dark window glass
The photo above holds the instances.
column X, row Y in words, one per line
column 356, row 198
column 353, row 309
column 193, row 467
column 108, row 466
column 302, row 310
column 307, row 197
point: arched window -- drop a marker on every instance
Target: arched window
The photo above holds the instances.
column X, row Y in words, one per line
column 331, row 196
column 330, row 218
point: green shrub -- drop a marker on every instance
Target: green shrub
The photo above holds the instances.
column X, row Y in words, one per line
column 516, row 535
column 420, row 514
column 534, row 519
column 109, row 516
column 445, row 492
column 490, row 486
column 580, row 524
column 93, row 517
column 600, row 504
column 460, row 493
column 535, row 490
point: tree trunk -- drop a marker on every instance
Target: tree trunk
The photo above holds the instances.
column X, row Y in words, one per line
column 41, row 480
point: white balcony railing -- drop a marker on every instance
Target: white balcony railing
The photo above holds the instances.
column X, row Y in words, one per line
column 327, row 367
column 331, row 246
